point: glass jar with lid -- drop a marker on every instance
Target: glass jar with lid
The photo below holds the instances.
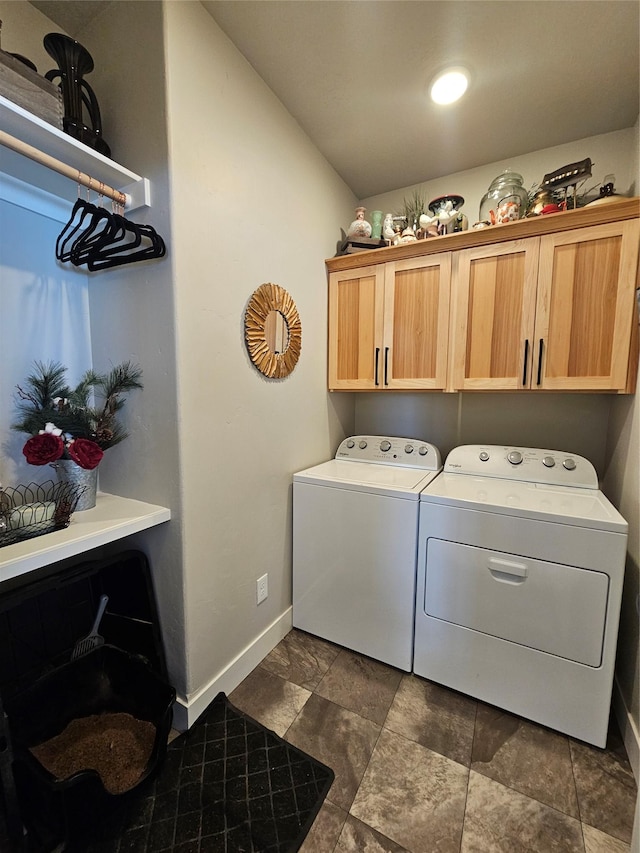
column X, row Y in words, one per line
column 505, row 200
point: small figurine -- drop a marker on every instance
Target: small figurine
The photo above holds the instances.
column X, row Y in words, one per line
column 359, row 227
column 446, row 215
column 408, row 235
column 428, row 225
column 388, row 231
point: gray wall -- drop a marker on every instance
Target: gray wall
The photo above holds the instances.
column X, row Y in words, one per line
column 622, row 485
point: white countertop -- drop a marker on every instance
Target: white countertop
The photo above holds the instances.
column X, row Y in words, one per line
column 112, row 518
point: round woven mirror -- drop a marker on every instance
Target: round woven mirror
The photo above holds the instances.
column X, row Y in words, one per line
column 273, row 331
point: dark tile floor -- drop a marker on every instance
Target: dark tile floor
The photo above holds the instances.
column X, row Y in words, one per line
column 420, row 768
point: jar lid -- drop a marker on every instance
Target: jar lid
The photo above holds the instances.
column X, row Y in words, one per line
column 507, row 177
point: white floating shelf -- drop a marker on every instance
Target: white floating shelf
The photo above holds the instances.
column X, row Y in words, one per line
column 111, row 519
column 31, row 129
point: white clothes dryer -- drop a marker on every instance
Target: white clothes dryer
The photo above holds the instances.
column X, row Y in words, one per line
column 520, row 571
column 355, row 539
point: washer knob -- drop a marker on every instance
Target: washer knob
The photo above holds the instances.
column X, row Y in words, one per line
column 385, row 445
column 515, row 457
column 548, row 461
column 423, row 450
column 569, row 464
column 351, row 443
column 408, row 448
column 484, row 456
column 362, row 444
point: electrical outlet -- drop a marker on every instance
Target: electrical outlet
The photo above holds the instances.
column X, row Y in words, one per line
column 262, row 588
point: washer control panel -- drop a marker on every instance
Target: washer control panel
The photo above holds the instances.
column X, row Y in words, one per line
column 528, row 464
column 388, row 450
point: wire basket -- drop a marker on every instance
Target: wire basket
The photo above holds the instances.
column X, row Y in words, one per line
column 35, row 509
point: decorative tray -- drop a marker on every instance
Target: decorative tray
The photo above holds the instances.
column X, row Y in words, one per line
column 37, row 508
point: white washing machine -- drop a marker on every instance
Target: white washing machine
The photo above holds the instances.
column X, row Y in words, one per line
column 520, row 570
column 355, row 539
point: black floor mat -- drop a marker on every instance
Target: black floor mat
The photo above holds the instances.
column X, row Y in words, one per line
column 228, row 785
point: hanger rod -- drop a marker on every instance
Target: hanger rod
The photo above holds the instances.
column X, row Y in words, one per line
column 62, row 168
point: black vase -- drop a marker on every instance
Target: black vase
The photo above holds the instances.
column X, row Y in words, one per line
column 77, row 95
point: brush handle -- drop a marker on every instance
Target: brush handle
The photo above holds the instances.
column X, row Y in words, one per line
column 101, row 609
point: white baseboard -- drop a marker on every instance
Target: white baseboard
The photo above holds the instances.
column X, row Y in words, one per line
column 628, row 729
column 186, row 712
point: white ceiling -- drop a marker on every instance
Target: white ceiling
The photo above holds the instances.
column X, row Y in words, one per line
column 355, row 75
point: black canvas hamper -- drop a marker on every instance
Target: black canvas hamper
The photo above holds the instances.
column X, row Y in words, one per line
column 42, row 617
column 107, row 680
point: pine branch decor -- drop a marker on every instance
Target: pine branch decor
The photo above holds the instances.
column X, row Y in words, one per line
column 73, row 423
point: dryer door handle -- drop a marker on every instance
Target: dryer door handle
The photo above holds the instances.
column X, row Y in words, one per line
column 506, row 571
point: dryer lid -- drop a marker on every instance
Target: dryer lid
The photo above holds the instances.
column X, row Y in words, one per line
column 579, row 507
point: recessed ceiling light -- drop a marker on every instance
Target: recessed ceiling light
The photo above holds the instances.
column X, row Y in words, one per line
column 449, row 85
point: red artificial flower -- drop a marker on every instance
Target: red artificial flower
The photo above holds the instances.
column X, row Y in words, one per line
column 85, row 453
column 44, row 448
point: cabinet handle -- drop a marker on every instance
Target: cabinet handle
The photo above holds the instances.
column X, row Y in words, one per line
column 376, row 371
column 539, row 380
column 386, row 365
column 526, row 359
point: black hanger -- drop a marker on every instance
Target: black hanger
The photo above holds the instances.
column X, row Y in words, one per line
column 151, row 245
column 102, row 239
column 100, row 225
column 80, row 210
column 123, row 236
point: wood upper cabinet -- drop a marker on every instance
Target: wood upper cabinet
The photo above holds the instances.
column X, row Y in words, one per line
column 585, row 307
column 356, row 303
column 539, row 304
column 493, row 316
column 388, row 325
column 551, row 313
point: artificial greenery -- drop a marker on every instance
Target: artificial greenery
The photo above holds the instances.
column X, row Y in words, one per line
column 413, row 207
column 87, row 411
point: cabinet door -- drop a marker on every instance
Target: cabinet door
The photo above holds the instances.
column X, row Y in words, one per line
column 493, row 324
column 355, row 328
column 416, row 322
column 585, row 309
